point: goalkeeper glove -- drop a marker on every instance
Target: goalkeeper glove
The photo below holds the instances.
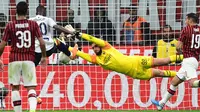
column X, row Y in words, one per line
column 74, row 34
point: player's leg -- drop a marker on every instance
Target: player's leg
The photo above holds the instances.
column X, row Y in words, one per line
column 16, row 98
column 3, row 93
column 186, row 72
column 51, row 51
column 14, row 72
column 168, row 60
column 171, row 91
column 29, row 78
column 191, row 66
column 32, row 98
column 163, row 73
column 38, row 57
column 65, row 48
column 62, row 46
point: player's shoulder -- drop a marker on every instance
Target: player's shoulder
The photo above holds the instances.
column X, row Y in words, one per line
column 194, row 28
column 32, row 21
column 39, row 18
column 11, row 23
column 186, row 27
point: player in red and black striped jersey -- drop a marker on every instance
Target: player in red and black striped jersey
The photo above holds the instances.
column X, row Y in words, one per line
column 189, row 45
column 22, row 33
column 189, row 39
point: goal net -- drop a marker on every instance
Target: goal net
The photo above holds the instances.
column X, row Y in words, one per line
column 134, row 27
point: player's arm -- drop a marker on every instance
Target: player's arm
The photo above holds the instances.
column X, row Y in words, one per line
column 86, row 56
column 93, row 39
column 3, row 43
column 2, row 46
column 59, row 28
column 181, row 40
column 179, row 47
column 5, row 39
column 87, row 37
column 42, row 46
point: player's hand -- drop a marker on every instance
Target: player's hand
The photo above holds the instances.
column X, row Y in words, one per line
column 74, row 34
column 43, row 62
column 1, row 65
column 70, row 29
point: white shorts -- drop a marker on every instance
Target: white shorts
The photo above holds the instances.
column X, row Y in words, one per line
column 24, row 69
column 188, row 69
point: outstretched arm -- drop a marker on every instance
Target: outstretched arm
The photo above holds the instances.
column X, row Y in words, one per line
column 86, row 56
column 61, row 29
column 87, row 37
column 93, row 39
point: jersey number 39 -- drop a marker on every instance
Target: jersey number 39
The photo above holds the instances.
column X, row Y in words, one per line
column 195, row 41
column 25, row 39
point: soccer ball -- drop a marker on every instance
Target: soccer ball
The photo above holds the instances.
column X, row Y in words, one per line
column 62, row 58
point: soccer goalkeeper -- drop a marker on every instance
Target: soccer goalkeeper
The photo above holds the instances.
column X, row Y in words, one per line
column 137, row 67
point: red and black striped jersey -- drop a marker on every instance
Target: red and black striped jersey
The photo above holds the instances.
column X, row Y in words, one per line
column 190, row 37
column 22, row 34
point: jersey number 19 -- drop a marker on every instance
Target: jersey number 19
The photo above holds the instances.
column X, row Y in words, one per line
column 195, row 41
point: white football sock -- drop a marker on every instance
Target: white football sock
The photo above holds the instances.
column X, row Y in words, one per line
column 16, row 100
column 32, row 99
column 168, row 95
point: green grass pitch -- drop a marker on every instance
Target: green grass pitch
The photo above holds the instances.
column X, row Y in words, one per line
column 114, row 111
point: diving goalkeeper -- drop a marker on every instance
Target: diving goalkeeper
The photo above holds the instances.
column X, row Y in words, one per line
column 137, row 67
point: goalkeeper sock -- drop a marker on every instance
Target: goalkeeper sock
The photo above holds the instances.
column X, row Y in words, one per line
column 176, row 58
column 16, row 100
column 32, row 100
column 196, row 83
column 62, row 47
column 171, row 91
column 169, row 73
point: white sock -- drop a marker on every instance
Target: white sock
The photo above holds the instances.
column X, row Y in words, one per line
column 171, row 91
column 32, row 99
column 16, row 100
column 196, row 83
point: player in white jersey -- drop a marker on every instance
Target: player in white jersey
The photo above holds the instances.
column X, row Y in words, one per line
column 46, row 24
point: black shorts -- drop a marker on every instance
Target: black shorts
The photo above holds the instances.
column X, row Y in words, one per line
column 38, row 56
